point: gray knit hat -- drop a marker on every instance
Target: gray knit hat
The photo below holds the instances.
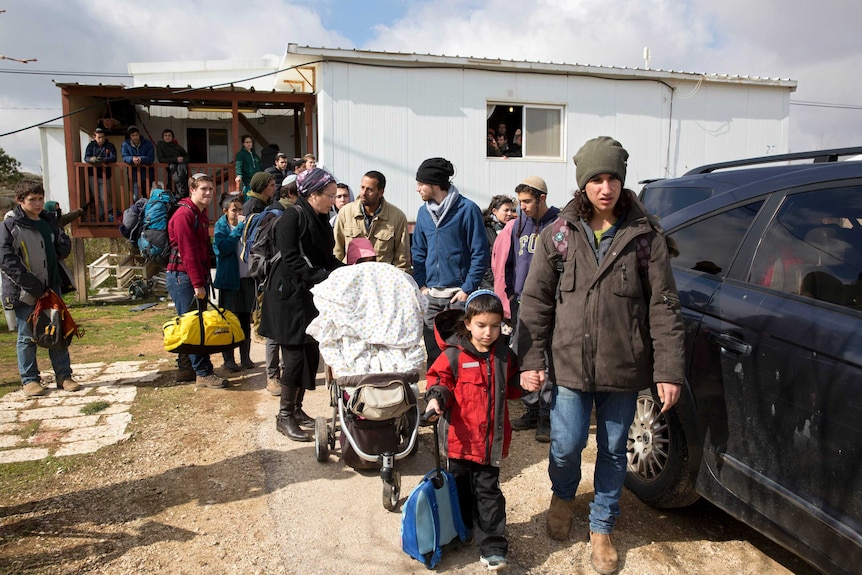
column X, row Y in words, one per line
column 602, row 155
column 260, row 181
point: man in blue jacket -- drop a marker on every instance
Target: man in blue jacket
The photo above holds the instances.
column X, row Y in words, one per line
column 450, row 248
column 139, row 151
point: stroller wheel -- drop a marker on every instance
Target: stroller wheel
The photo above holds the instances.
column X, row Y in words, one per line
column 392, row 491
column 321, row 439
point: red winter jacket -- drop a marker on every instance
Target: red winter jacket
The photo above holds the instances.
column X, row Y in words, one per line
column 479, row 428
column 189, row 233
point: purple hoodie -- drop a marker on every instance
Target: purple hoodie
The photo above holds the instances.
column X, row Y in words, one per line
column 512, row 254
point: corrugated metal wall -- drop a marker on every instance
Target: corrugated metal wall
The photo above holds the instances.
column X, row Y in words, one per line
column 390, row 119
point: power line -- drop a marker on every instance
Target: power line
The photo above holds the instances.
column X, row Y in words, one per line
column 825, row 105
column 62, row 73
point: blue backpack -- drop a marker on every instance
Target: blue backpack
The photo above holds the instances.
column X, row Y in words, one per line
column 153, row 242
column 431, row 516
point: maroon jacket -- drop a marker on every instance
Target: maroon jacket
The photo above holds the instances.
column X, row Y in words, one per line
column 191, row 248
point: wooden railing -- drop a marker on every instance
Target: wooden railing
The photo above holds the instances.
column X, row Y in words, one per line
column 110, row 189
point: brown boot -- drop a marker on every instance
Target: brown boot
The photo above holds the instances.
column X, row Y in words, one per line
column 604, row 556
column 559, row 519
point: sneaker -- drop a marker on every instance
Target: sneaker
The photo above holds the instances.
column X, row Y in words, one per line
column 543, row 430
column 69, row 384
column 527, row 421
column 186, row 375
column 273, row 386
column 34, row 389
column 212, row 381
column 494, row 562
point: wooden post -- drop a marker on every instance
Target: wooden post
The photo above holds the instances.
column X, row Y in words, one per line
column 80, row 269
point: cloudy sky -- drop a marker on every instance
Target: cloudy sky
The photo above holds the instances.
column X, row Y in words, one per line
column 818, row 44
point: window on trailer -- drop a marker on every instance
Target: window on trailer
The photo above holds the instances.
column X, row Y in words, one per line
column 524, row 130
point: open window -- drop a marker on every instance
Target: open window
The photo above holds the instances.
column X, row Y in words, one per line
column 524, row 131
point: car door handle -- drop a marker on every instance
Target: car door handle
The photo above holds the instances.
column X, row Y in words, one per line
column 731, row 343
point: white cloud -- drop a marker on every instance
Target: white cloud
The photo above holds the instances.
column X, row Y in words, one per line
column 816, row 44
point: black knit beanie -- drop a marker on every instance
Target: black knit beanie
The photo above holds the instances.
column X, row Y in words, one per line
column 435, row 171
column 602, row 155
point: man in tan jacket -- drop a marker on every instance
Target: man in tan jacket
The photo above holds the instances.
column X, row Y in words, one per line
column 372, row 217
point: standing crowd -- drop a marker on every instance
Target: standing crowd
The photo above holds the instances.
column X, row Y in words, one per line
column 571, row 310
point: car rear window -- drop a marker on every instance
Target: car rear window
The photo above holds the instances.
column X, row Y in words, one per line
column 663, row 200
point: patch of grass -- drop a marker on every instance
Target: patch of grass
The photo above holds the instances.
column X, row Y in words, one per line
column 24, row 476
column 95, row 407
column 111, row 333
column 30, row 429
column 7, row 386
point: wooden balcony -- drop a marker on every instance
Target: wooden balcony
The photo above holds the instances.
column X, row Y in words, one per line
column 111, row 187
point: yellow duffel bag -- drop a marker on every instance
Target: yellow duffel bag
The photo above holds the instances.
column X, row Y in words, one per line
column 203, row 331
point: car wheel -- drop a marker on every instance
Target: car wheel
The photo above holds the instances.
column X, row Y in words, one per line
column 658, row 467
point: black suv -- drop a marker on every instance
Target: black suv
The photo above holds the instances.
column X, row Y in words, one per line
column 769, row 426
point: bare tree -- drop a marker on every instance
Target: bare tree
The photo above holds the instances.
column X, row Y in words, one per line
column 22, row 61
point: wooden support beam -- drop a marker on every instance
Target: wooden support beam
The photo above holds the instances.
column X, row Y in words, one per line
column 80, row 269
column 258, row 138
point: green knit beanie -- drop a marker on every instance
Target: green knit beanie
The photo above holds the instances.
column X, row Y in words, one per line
column 602, row 155
column 259, row 181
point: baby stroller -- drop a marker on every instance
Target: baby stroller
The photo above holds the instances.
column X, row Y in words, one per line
column 377, row 416
column 370, row 335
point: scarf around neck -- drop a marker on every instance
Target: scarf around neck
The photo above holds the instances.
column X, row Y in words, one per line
column 438, row 214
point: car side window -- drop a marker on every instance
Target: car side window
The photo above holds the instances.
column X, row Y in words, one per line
column 813, row 247
column 709, row 245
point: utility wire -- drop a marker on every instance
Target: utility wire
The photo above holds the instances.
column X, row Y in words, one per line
column 61, row 73
column 825, row 105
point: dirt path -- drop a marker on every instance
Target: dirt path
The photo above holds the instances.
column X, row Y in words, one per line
column 206, row 485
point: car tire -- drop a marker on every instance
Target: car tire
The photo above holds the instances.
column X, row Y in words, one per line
column 659, row 472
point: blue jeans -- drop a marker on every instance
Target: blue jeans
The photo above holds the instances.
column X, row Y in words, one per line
column 183, row 293
column 26, row 349
column 570, row 426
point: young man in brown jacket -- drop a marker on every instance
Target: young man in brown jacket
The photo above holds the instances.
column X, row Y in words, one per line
column 601, row 303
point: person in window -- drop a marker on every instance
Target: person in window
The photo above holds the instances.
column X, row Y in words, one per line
column 493, row 150
column 169, row 151
column 503, row 145
column 516, row 147
column 137, row 152
column 98, row 153
column 247, row 164
column 600, row 310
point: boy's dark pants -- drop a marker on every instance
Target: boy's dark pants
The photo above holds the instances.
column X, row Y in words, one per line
column 483, row 505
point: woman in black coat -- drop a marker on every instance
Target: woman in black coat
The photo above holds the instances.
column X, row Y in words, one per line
column 305, row 240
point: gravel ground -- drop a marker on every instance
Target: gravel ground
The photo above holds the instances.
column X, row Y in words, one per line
column 206, row 485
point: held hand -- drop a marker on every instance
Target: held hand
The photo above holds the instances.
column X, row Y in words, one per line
column 201, row 292
column 423, row 291
column 668, row 394
column 532, row 380
column 460, row 296
column 434, row 405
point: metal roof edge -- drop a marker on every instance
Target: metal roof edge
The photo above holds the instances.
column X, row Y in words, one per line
column 443, row 61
